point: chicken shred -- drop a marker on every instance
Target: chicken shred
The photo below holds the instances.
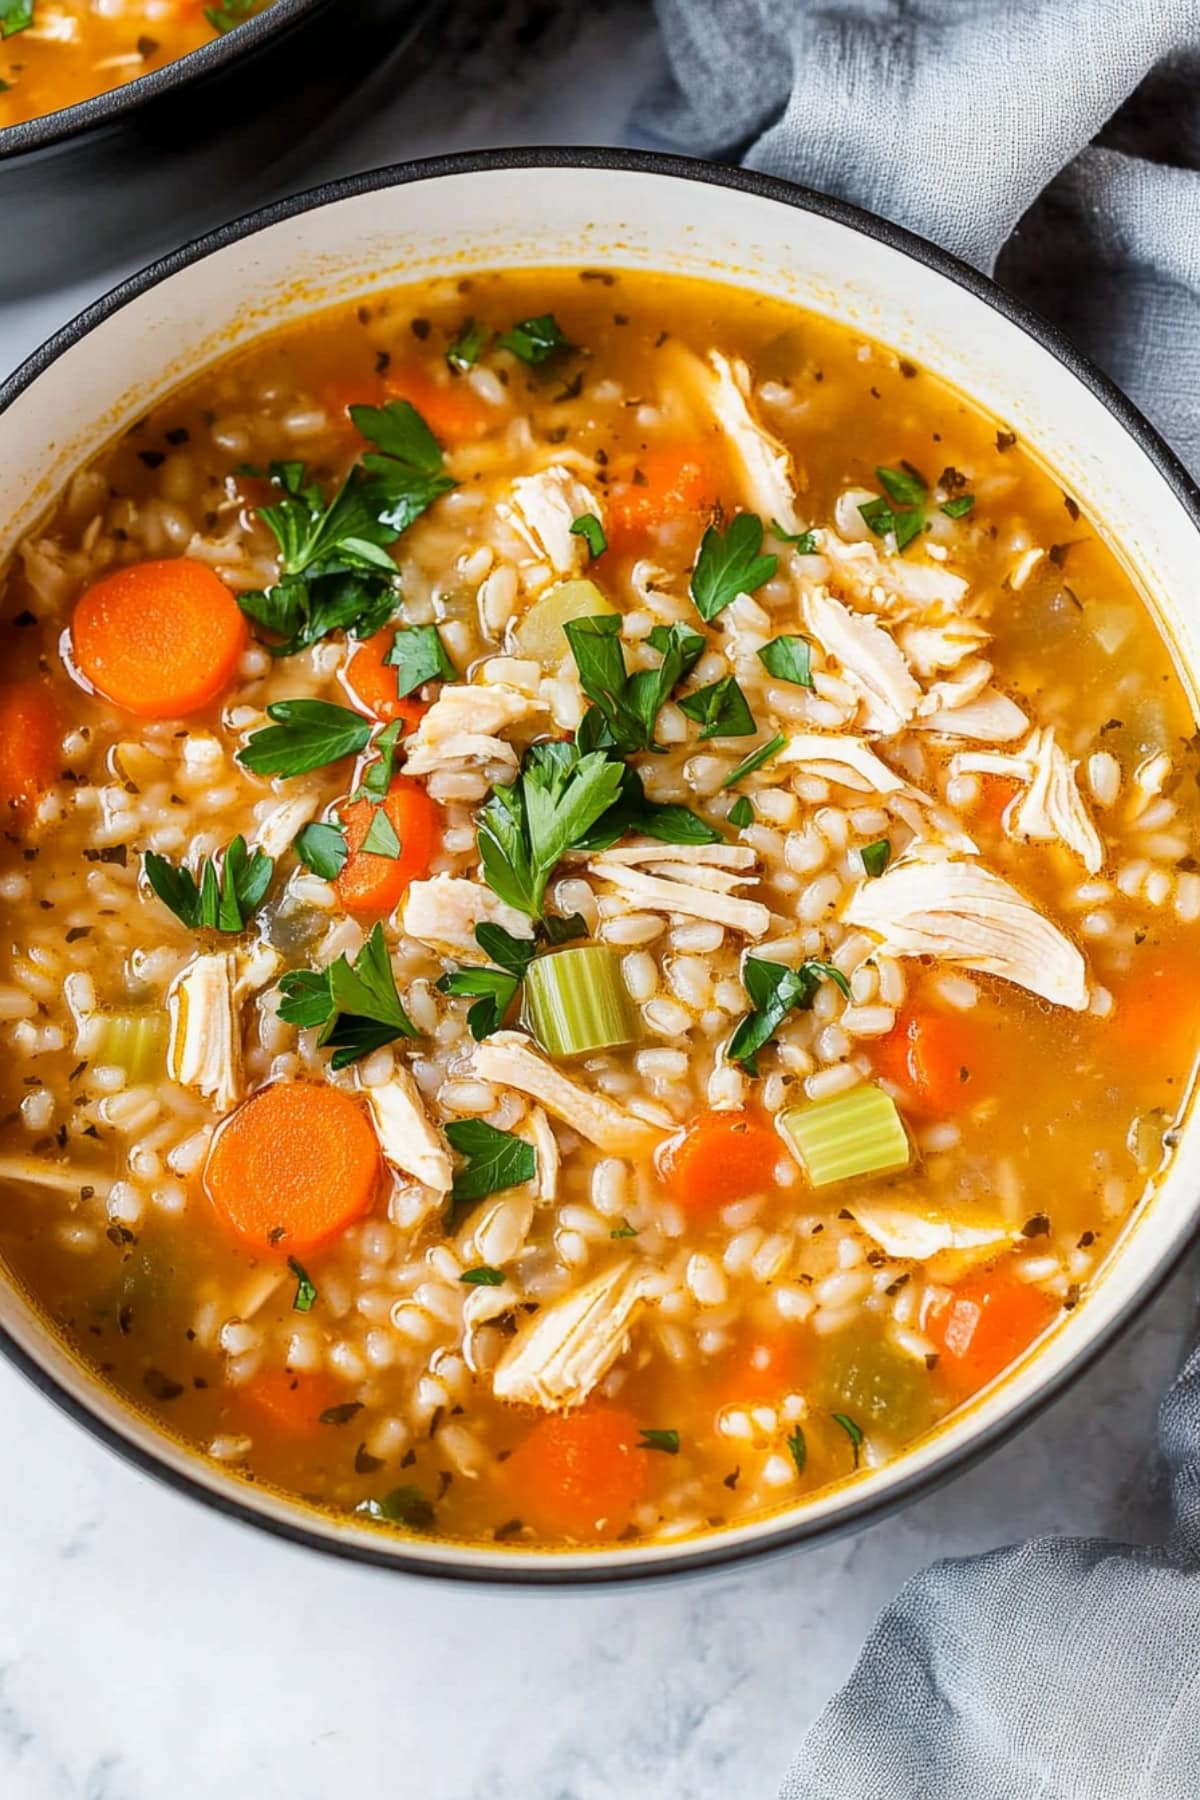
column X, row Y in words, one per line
column 870, row 661
column 509, row 1058
column 444, row 911
column 407, row 1135
column 687, row 898
column 541, row 511
column 556, row 1360
column 768, row 473
column 1051, row 810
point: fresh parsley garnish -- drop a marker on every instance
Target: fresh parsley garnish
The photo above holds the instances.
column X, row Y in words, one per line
column 534, row 341
column 467, row 347
column 755, row 760
column 306, row 1293
column 804, row 543
column 852, row 1431
column 382, row 838
column 774, row 990
column 525, row 830
column 902, row 514
column 588, row 527
column 959, row 506
column 654, row 1439
column 377, row 776
column 494, row 1160
column 306, row 735
column 217, row 902
column 624, row 1230
column 418, row 655
column 483, row 1276
column 741, row 813
column 788, row 658
column 16, row 15
column 722, row 709
column 798, row 1448
column 495, row 989
column 632, row 811
column 627, row 706
column 403, row 1506
column 355, row 1004
column 730, row 563
column 876, row 856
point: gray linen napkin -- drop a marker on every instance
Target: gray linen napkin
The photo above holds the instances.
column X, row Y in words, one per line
column 1056, row 144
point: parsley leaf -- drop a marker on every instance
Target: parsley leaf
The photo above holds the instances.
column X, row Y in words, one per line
column 730, row 564
column 624, row 1230
column 755, row 760
column 403, row 1506
column 798, row 1448
column 221, row 902
column 495, row 1160
column 495, row 989
column 959, row 506
column 15, row 15
column 588, row 527
column 788, row 658
column 467, row 347
column 876, row 856
column 631, row 811
column 804, row 543
column 306, row 735
column 534, row 341
column 524, row 830
column 483, row 1276
column 774, row 990
column 302, row 611
column 722, row 709
column 377, row 776
column 904, row 518
column 852, row 1431
column 627, row 706
column 355, row 1003
column 418, row 655
column 741, row 813
column 905, row 485
column 306, row 1293
column 382, row 838
column 654, row 1439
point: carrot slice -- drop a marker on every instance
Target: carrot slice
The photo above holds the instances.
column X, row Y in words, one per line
column 669, row 483
column 289, row 1401
column 719, row 1157
column 159, row 639
column 1157, row 1016
column 936, row 1060
column 761, row 1369
column 293, row 1167
column 373, row 682
column 579, row 1475
column 989, row 1319
column 372, row 884
column 30, row 748
column 452, row 409
column 995, row 793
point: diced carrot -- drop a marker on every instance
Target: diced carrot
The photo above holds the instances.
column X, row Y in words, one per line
column 452, row 409
column 668, row 483
column 989, row 1319
column 30, row 753
column 373, row 682
column 290, row 1401
column 372, row 884
column 995, row 794
column 159, row 639
column 719, row 1157
column 579, row 1475
column 935, row 1059
column 760, row 1369
column 293, row 1167
column 1157, row 1012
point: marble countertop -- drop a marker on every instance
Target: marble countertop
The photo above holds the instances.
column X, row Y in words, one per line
column 150, row 1650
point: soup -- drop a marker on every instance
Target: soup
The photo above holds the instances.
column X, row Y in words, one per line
column 55, row 53
column 601, row 913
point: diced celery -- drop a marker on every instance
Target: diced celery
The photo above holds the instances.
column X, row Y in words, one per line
column 858, row 1133
column 135, row 1042
column 540, row 633
column 576, row 1000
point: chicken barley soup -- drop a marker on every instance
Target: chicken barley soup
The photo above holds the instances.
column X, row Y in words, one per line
column 601, row 921
column 54, row 53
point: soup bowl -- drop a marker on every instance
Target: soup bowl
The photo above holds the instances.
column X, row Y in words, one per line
column 98, row 182
column 629, row 212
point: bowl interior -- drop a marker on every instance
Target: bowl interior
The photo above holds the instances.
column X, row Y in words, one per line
column 545, row 208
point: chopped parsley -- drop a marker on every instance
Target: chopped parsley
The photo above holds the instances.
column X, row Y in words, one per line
column 959, row 506
column 15, row 15
column 730, row 563
column 418, row 655
column 798, row 1448
column 495, row 989
column 653, row 1439
column 901, row 514
column 804, row 543
column 483, row 1276
column 588, row 527
column 741, row 813
column 355, row 1004
column 788, row 658
column 382, row 838
column 217, row 902
column 755, row 760
column 306, row 735
column 624, row 1230
column 534, row 341
column 306, row 1293
column 403, row 1506
column 876, row 856
column 323, row 849
column 524, row 830
column 627, row 706
column 852, row 1431
column 467, row 347
column 377, row 776
column 722, row 709
column 774, row 990
column 493, row 1160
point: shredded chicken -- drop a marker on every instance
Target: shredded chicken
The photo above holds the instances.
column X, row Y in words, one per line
column 407, row 1135
column 508, row 1058
column 848, row 760
column 713, row 856
column 542, row 510
column 902, row 585
column 903, row 1232
column 959, row 689
column 685, row 897
column 1051, row 810
column 549, row 1158
column 444, row 911
column 766, row 464
column 557, row 1358
column 205, row 1051
column 869, row 659
column 992, row 719
column 464, row 724
column 961, row 913
column 276, row 832
column 932, row 647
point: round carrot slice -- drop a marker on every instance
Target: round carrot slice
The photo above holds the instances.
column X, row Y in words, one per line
column 289, row 1401
column 30, row 742
column 159, row 639
column 293, row 1167
column 452, row 409
column 373, row 683
column 987, row 1321
column 719, row 1157
column 579, row 1475
column 371, row 884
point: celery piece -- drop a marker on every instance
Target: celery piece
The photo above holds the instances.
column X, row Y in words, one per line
column 135, row 1042
column 576, row 1000
column 540, row 633
column 858, row 1133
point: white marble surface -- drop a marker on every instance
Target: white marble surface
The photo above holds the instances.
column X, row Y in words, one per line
column 152, row 1651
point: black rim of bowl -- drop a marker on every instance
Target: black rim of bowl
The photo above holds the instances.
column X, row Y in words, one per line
column 116, row 104
column 715, row 1551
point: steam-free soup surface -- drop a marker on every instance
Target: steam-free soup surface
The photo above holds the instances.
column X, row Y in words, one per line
column 600, row 914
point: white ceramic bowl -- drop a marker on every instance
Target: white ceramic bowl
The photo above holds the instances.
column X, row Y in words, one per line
column 632, row 211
